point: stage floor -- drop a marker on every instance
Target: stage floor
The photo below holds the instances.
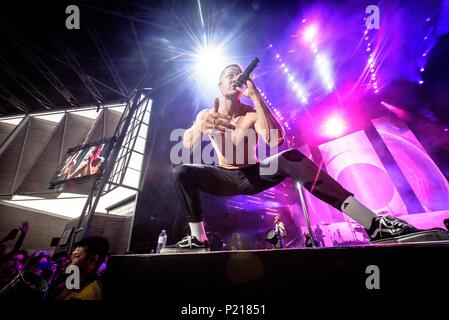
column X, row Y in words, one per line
column 277, row 275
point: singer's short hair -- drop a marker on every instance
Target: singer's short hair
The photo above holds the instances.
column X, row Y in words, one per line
column 230, row 66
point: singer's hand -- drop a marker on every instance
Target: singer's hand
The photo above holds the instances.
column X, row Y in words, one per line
column 216, row 120
column 250, row 90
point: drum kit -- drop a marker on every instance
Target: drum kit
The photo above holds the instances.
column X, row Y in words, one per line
column 272, row 237
column 357, row 231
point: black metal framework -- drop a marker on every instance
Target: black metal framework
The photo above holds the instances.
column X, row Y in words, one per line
column 120, row 150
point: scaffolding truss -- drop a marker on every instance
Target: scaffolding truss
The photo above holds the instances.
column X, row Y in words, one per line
column 116, row 165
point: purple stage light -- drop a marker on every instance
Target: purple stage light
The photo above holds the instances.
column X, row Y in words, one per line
column 291, row 79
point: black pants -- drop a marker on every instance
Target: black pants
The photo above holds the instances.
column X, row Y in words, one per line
column 218, row 181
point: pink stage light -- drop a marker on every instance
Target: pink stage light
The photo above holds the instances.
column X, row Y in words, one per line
column 334, row 126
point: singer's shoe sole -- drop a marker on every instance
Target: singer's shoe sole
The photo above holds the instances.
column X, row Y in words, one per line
column 172, row 250
column 419, row 236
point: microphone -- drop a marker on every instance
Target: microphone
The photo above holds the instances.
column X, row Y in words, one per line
column 245, row 75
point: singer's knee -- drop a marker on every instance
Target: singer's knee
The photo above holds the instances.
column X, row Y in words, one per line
column 288, row 160
column 292, row 155
column 180, row 172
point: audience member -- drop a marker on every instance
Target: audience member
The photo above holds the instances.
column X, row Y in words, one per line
column 88, row 255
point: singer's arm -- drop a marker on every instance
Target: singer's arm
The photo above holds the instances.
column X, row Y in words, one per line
column 265, row 121
column 193, row 134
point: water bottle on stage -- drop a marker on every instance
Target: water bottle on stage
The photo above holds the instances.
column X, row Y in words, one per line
column 162, row 240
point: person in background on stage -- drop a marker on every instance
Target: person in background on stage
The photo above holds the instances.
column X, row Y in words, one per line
column 230, row 122
column 281, row 233
column 339, row 238
column 319, row 237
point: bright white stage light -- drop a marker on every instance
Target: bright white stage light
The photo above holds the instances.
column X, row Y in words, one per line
column 209, row 60
column 310, row 33
column 334, row 126
column 324, row 69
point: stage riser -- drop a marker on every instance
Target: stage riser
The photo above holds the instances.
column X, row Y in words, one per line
column 281, row 274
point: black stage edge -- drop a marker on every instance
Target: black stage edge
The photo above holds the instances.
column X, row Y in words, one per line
column 405, row 271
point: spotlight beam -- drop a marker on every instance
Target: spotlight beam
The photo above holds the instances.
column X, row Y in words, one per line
column 201, row 12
